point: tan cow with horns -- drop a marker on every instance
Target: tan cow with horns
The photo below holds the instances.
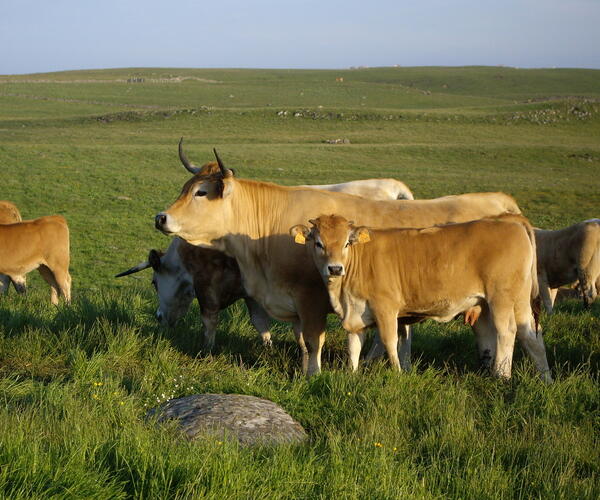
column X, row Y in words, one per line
column 250, row 221
column 380, row 276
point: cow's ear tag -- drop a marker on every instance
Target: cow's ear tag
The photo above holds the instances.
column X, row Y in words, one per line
column 299, row 238
column 364, row 237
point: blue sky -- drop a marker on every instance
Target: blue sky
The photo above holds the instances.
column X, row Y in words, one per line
column 53, row 35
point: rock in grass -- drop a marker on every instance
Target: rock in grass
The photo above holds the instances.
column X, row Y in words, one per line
column 249, row 419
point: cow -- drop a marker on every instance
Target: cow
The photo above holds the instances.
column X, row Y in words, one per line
column 41, row 244
column 374, row 189
column 249, row 220
column 185, row 271
column 9, row 213
column 568, row 255
column 378, row 276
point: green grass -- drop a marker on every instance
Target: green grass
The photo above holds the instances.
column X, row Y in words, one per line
column 75, row 382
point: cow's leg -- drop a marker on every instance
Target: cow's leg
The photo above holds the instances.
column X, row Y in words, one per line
column 4, row 283
column 485, row 336
column 404, row 345
column 301, row 344
column 260, row 320
column 313, row 318
column 587, row 287
column 50, row 278
column 388, row 330
column 314, row 336
column 532, row 342
column 355, row 343
column 546, row 293
column 19, row 283
column 377, row 348
column 553, row 294
column 503, row 319
column 210, row 320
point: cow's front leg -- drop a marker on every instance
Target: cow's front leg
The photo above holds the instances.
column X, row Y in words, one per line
column 388, row 331
column 355, row 343
column 210, row 319
column 260, row 320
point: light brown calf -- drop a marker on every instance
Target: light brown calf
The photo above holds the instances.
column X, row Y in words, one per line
column 9, row 213
column 41, row 244
column 568, row 255
column 379, row 276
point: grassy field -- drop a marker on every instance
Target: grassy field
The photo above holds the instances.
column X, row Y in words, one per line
column 100, row 148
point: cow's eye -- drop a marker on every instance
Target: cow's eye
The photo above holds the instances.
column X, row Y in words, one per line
column 200, row 193
column 318, row 244
column 348, row 244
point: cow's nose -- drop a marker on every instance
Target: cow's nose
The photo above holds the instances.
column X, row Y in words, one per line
column 159, row 316
column 160, row 220
column 335, row 270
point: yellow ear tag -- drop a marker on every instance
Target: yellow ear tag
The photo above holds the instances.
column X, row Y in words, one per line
column 364, row 237
column 299, row 238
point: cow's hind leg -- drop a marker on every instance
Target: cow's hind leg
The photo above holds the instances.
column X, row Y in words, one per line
column 532, row 342
column 49, row 277
column 404, row 345
column 503, row 319
column 485, row 336
column 59, row 281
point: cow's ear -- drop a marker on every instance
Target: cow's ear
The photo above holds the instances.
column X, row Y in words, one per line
column 154, row 259
column 360, row 235
column 300, row 233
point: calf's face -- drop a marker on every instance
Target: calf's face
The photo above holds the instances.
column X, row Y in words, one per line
column 329, row 241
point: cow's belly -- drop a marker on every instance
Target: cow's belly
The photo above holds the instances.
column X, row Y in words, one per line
column 278, row 304
column 446, row 310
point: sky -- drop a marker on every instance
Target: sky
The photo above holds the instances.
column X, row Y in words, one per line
column 54, row 35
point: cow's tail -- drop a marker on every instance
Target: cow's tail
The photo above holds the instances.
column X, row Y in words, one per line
column 536, row 300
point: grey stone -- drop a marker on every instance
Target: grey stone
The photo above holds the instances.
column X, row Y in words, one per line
column 248, row 419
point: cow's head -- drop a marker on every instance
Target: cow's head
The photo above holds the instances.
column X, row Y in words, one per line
column 172, row 282
column 329, row 240
column 201, row 212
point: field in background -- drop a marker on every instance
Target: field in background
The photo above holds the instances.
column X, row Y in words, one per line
column 100, row 148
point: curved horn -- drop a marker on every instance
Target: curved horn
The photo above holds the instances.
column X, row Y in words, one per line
column 140, row 267
column 224, row 171
column 186, row 163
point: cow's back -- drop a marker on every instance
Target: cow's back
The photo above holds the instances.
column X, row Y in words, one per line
column 212, row 272
column 34, row 241
column 436, row 265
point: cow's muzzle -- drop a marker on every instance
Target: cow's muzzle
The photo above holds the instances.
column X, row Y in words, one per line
column 335, row 270
column 160, row 223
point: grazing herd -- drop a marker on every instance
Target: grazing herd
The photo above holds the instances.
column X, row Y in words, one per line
column 365, row 250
